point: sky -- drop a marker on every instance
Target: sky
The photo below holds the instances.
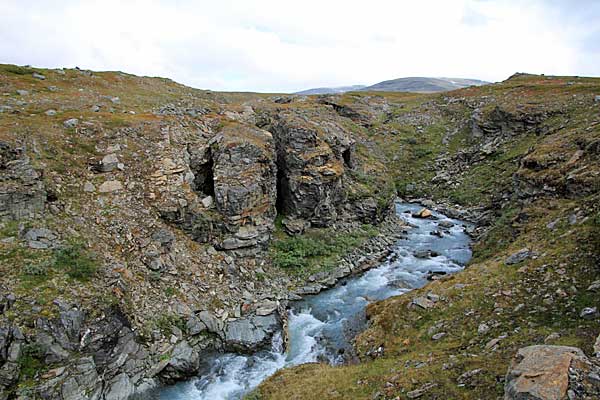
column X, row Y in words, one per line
column 286, row 46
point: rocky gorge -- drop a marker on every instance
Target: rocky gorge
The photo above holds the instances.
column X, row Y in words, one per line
column 145, row 224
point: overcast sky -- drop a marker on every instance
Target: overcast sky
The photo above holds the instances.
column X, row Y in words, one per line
column 281, row 45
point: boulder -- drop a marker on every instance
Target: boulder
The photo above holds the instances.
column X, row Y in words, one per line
column 208, row 201
column 184, row 362
column 212, row 323
column 41, row 238
column 294, row 226
column 89, row 187
column 422, row 302
column 71, row 123
column 423, row 213
column 541, row 372
column 110, row 186
column 249, row 334
column 518, row 257
column 120, row 388
column 108, row 163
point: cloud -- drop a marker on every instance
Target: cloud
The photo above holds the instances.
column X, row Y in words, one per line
column 278, row 46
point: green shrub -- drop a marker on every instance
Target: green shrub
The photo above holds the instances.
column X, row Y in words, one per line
column 317, row 247
column 38, row 268
column 76, row 261
column 31, row 360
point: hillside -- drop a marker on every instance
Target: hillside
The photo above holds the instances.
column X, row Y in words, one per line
column 145, row 223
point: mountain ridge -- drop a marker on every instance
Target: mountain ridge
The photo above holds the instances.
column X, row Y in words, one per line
column 414, row 84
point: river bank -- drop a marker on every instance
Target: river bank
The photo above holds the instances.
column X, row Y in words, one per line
column 317, row 324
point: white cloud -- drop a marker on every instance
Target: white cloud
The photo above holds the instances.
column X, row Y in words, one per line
column 277, row 45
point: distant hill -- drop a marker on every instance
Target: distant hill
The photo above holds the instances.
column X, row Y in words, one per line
column 332, row 90
column 410, row 84
column 423, row 85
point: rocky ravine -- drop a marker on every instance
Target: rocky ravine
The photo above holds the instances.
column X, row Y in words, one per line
column 144, row 222
column 137, row 226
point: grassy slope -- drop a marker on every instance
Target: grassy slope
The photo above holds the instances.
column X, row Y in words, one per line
column 521, row 304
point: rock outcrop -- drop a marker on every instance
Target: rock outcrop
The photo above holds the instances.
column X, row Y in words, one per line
column 22, row 192
column 311, row 161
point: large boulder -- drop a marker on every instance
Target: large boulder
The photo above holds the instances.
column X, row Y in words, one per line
column 543, row 372
column 249, row 334
column 184, row 362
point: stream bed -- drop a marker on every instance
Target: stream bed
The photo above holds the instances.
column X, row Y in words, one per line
column 320, row 326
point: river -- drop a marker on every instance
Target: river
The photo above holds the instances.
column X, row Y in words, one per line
column 320, row 326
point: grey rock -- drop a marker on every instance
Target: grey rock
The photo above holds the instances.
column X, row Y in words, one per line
column 589, row 313
column 423, row 302
column 164, row 236
column 483, row 328
column 208, row 201
column 438, row 336
column 89, row 187
column 41, row 238
column 251, row 333
column 39, row 76
column 597, row 98
column 50, row 112
column 108, row 163
column 212, row 323
column 110, row 186
column 594, row 287
column 266, row 308
column 194, row 326
column 120, row 388
column 518, row 257
column 22, row 92
column 115, row 100
column 295, row 226
column 71, row 123
column 184, row 362
column 22, row 192
column 95, row 108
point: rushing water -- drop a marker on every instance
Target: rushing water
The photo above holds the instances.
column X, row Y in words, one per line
column 319, row 324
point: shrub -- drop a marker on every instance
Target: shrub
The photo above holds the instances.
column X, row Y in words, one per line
column 320, row 247
column 76, row 261
column 38, row 268
column 30, row 361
